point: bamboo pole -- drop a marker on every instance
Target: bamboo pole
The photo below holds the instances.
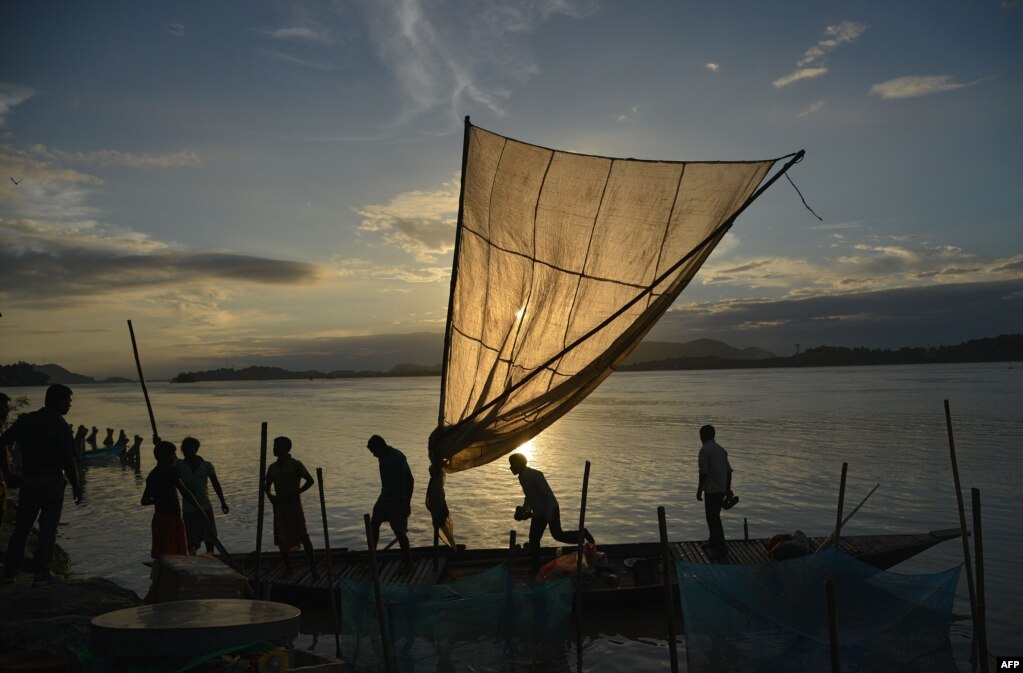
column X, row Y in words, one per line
column 145, row 392
column 823, row 545
column 980, row 626
column 669, row 598
column 579, row 573
column 378, row 593
column 334, row 607
column 963, row 531
column 836, row 660
column 180, row 485
column 841, row 501
column 261, row 509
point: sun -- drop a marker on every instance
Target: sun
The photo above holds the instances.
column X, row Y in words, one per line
column 526, row 450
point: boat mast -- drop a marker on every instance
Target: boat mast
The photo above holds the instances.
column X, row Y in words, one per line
column 454, row 276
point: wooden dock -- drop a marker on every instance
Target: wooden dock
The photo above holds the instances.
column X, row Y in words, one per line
column 348, row 566
column 634, row 565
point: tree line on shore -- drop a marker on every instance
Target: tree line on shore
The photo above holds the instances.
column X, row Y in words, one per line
column 1003, row 348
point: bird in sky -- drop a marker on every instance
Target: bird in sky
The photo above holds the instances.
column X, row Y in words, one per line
column 17, row 182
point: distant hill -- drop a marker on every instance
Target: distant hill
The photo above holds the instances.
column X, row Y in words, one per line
column 58, row 374
column 278, row 374
column 26, row 374
column 651, row 351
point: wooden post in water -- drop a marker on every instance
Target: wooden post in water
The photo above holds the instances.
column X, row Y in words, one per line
column 963, row 531
column 145, row 393
column 980, row 618
column 379, row 594
column 745, row 529
column 334, row 607
column 841, row 502
column 836, row 659
column 511, row 551
column 261, row 508
column 669, row 598
column 579, row 573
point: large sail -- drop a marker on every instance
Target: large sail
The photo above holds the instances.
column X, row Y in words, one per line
column 563, row 263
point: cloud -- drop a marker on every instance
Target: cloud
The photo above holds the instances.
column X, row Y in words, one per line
column 55, row 245
column 300, row 34
column 804, row 73
column 817, row 105
column 446, row 59
column 365, row 270
column 296, row 60
column 811, row 64
column 914, row 85
column 44, row 265
column 176, row 29
column 860, row 266
column 420, row 222
column 12, row 95
column 889, row 318
column 713, row 67
column 629, row 116
column 106, row 157
column 841, row 33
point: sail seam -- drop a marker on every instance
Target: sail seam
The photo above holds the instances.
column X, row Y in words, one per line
column 532, row 270
column 667, row 226
column 490, row 245
column 555, row 266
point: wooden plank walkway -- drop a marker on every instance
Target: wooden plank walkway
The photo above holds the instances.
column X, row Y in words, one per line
column 354, row 568
column 743, row 552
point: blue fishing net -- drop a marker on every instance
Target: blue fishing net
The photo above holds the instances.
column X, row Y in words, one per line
column 774, row 617
column 483, row 623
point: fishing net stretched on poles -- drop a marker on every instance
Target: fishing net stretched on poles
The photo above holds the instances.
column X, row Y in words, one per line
column 563, row 263
column 773, row 617
column 483, row 623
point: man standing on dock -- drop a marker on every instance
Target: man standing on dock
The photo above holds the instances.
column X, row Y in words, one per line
column 288, row 479
column 394, row 504
column 195, row 473
column 540, row 505
column 47, row 464
column 716, row 485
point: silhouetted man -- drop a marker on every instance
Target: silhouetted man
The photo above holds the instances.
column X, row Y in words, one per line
column 195, row 473
column 394, row 504
column 540, row 505
column 289, row 479
column 716, row 485
column 5, row 409
column 47, row 464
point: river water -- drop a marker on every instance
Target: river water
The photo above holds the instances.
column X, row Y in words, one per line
column 787, row 433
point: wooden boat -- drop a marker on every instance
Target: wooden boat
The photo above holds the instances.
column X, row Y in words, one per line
column 633, row 576
column 104, row 453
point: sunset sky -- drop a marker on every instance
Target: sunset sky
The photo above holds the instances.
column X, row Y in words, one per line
column 253, row 182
